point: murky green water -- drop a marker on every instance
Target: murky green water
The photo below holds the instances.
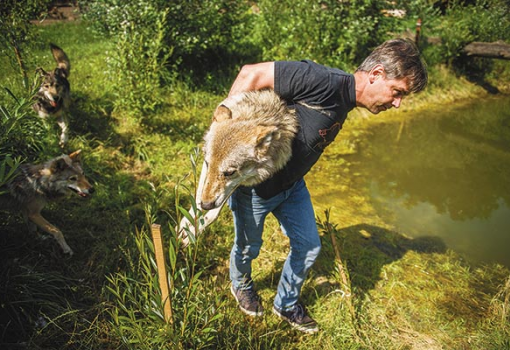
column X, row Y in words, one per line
column 444, row 174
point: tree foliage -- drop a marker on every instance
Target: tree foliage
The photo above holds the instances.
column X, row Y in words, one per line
column 332, row 32
column 154, row 39
column 201, row 38
column 16, row 31
column 484, row 20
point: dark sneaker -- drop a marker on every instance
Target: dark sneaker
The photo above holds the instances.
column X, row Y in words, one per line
column 249, row 301
column 298, row 318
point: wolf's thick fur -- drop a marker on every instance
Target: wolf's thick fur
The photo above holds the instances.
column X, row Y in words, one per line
column 35, row 185
column 249, row 140
column 53, row 97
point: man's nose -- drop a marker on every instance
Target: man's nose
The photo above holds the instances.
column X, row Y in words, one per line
column 396, row 102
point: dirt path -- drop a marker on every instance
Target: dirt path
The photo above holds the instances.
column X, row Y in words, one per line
column 60, row 12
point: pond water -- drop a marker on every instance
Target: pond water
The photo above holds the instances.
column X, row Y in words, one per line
column 443, row 173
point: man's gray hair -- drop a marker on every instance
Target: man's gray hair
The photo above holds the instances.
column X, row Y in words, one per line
column 400, row 59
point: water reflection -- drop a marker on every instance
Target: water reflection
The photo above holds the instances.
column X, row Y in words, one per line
column 445, row 174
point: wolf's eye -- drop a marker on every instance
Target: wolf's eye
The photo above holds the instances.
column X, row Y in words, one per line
column 229, row 173
column 73, row 178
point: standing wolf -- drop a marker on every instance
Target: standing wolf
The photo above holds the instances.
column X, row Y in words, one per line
column 35, row 185
column 249, row 140
column 53, row 97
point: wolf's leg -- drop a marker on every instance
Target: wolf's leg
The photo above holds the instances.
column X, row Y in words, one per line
column 63, row 123
column 186, row 227
column 31, row 226
column 44, row 225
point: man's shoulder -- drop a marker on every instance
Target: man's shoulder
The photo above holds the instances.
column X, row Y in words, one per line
column 312, row 65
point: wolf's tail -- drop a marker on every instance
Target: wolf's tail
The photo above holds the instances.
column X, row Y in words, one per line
column 61, row 58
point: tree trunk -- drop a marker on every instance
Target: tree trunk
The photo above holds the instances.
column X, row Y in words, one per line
column 498, row 49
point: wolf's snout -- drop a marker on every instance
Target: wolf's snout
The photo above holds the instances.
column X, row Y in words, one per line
column 87, row 192
column 82, row 192
column 207, row 205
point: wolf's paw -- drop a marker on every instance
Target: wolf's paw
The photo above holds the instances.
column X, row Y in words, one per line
column 63, row 139
column 186, row 228
column 67, row 250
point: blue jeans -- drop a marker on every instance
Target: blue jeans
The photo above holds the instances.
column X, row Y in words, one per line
column 294, row 211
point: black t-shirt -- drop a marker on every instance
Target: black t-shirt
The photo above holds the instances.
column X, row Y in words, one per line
column 322, row 97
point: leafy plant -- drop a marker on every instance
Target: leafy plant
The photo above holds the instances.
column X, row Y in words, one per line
column 154, row 40
column 137, row 312
column 336, row 33
column 17, row 32
column 21, row 133
column 8, row 166
column 137, row 63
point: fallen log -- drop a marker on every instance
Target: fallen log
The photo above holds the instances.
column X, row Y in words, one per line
column 497, row 49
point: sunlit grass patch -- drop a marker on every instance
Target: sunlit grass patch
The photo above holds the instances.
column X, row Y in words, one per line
column 404, row 293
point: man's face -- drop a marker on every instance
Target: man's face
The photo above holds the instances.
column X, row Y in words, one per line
column 383, row 93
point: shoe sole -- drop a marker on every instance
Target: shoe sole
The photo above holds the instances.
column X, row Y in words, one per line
column 296, row 326
column 246, row 311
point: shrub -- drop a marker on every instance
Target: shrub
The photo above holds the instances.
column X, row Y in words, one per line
column 17, row 33
column 156, row 40
column 21, row 133
column 335, row 33
column 136, row 66
column 483, row 20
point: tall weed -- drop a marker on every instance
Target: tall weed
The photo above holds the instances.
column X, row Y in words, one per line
column 137, row 314
column 21, row 132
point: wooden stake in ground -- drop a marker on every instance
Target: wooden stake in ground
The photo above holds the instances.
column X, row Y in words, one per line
column 160, row 262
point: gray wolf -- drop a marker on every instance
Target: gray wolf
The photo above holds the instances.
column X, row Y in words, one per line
column 34, row 185
column 53, row 98
column 249, row 140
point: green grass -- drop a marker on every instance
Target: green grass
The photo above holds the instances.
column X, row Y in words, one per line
column 405, row 294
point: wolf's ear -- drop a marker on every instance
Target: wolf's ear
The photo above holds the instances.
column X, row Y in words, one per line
column 60, row 72
column 222, row 113
column 58, row 164
column 264, row 136
column 75, row 156
column 41, row 72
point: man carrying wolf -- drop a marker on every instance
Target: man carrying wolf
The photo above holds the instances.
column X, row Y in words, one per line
column 322, row 98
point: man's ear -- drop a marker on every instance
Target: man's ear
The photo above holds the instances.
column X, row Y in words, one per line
column 376, row 72
column 264, row 136
column 222, row 113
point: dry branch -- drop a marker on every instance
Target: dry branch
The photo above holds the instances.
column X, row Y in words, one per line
column 497, row 49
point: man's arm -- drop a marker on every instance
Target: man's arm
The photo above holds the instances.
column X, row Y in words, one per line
column 254, row 77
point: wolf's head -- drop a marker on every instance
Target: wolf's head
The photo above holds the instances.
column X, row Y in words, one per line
column 64, row 174
column 245, row 145
column 54, row 86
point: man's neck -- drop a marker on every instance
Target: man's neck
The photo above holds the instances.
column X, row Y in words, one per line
column 360, row 82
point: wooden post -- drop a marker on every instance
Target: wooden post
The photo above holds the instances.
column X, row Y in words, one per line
column 418, row 30
column 160, row 262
